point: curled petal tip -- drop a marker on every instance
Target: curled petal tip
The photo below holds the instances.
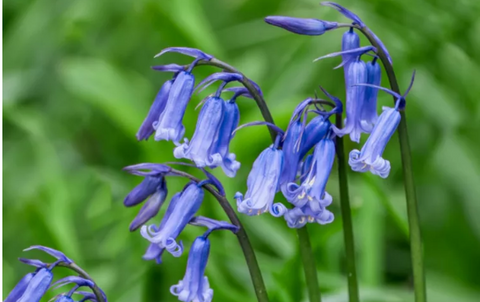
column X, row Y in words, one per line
column 347, row 13
column 193, row 52
column 57, row 254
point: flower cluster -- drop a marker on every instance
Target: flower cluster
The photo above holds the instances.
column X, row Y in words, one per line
column 297, row 164
column 33, row 286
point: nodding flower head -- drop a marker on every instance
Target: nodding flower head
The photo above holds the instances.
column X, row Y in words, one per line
column 194, row 286
column 180, row 211
column 301, row 26
column 315, row 130
column 225, row 135
column 370, row 157
column 357, row 73
column 310, row 212
column 201, row 149
column 169, row 125
column 262, row 184
column 369, row 108
column 37, row 286
column 291, row 151
column 146, row 129
column 312, row 188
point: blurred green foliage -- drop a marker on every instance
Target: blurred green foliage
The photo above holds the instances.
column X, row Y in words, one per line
column 77, row 85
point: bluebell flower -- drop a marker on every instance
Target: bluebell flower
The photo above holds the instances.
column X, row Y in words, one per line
column 350, row 40
column 302, row 26
column 262, row 184
column 222, row 145
column 195, row 287
column 180, row 211
column 312, row 189
column 151, row 207
column 357, row 73
column 370, row 157
column 19, row 288
column 369, row 108
column 169, row 125
column 146, row 129
column 37, row 286
column 201, row 149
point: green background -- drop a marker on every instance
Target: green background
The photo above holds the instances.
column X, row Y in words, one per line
column 78, row 83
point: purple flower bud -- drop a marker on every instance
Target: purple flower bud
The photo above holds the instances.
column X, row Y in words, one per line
column 370, row 157
column 312, row 189
column 369, row 108
column 181, row 210
column 37, row 286
column 20, row 288
column 201, row 149
column 310, row 27
column 151, row 207
column 149, row 186
column 350, row 40
column 146, row 129
column 314, row 132
column 262, row 184
column 195, row 286
column 357, row 73
column 169, row 125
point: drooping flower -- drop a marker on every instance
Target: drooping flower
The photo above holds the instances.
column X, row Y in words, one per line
column 370, row 157
column 169, row 125
column 180, row 211
column 357, row 74
column 195, row 287
column 201, row 149
column 302, row 26
column 222, row 145
column 350, row 40
column 146, row 129
column 312, row 188
column 37, row 286
column 19, row 288
column 262, row 184
column 315, row 130
column 369, row 108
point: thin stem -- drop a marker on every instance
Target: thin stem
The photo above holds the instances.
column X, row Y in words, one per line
column 305, row 248
column 310, row 268
column 416, row 245
column 248, row 252
column 96, row 290
column 346, row 217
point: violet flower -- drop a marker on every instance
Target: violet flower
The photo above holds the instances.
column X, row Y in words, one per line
column 302, row 26
column 180, row 211
column 201, row 149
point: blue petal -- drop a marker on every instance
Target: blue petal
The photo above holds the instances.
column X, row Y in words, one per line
column 155, row 169
column 33, row 262
column 19, row 288
column 169, row 125
column 146, row 129
column 302, row 26
column 73, row 279
column 344, row 12
column 193, row 52
column 169, row 67
column 37, row 286
column 151, row 207
column 147, row 187
column 57, row 254
column 213, row 224
column 219, row 76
